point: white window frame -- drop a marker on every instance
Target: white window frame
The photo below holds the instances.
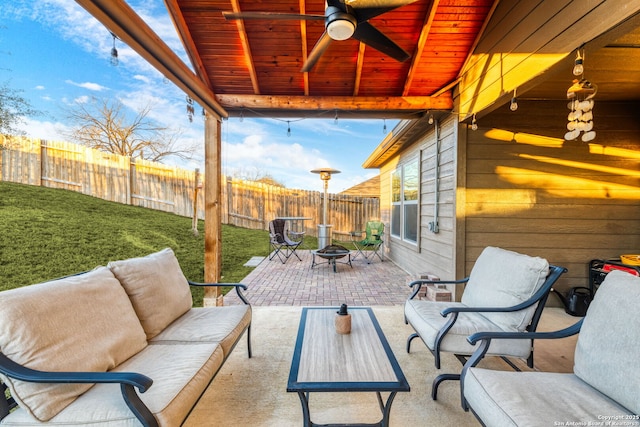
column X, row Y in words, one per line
column 399, row 202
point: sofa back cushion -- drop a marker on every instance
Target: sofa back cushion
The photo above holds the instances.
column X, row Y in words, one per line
column 78, row 323
column 502, row 278
column 606, row 354
column 157, row 288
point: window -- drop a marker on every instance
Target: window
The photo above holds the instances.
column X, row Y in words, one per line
column 405, row 188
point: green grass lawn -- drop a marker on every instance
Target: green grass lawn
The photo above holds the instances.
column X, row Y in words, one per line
column 47, row 233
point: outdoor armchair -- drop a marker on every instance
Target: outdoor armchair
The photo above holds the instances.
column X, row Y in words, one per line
column 505, row 292
column 283, row 242
column 604, row 388
column 370, row 246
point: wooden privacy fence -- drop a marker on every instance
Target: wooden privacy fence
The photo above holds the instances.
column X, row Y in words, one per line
column 153, row 185
column 253, row 204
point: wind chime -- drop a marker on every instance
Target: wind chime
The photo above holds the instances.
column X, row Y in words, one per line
column 580, row 96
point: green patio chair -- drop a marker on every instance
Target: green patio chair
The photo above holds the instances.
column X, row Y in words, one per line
column 371, row 245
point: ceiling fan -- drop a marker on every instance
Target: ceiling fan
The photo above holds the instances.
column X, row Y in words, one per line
column 343, row 19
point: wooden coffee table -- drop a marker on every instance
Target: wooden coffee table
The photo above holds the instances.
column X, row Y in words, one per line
column 325, row 361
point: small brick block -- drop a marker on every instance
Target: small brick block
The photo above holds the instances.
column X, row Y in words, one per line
column 438, row 293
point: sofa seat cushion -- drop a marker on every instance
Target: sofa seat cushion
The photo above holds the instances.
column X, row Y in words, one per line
column 507, row 398
column 157, row 287
column 78, row 323
column 223, row 325
column 180, row 373
column 424, row 316
column 502, row 278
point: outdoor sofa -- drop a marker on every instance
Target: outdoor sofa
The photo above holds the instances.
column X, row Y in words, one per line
column 119, row 345
column 604, row 388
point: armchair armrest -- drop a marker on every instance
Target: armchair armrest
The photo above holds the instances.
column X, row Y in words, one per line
column 485, row 340
column 562, row 333
column 417, row 284
column 127, row 381
column 239, row 287
column 537, row 297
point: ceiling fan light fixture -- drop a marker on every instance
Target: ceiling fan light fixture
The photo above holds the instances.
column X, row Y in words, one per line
column 340, row 25
column 340, row 29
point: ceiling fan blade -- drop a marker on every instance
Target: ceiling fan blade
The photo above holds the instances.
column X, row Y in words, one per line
column 271, row 15
column 359, row 4
column 321, row 45
column 371, row 36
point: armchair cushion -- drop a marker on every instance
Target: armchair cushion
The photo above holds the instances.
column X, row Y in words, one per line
column 608, row 361
column 157, row 288
column 427, row 321
column 78, row 323
column 506, row 398
column 502, row 278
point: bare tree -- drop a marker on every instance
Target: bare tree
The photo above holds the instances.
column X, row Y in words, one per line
column 13, row 107
column 104, row 125
column 257, row 175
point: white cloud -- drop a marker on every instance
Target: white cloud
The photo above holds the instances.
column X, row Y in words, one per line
column 39, row 87
column 288, row 163
column 84, row 99
column 87, row 85
column 54, row 131
column 142, row 78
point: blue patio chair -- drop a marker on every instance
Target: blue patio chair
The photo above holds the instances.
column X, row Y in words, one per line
column 505, row 292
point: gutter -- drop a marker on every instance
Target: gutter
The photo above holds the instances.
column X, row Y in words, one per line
column 122, row 21
column 392, row 139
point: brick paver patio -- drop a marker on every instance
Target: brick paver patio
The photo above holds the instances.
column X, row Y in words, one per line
column 295, row 283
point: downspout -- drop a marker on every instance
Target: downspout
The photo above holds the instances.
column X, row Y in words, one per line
column 433, row 225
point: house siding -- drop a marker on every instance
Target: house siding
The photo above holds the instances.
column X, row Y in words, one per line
column 434, row 252
column 530, row 191
column 516, row 183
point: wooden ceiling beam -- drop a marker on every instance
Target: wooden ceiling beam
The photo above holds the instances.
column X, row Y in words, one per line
column 187, row 40
column 267, row 105
column 235, row 6
column 303, row 37
column 359, row 64
column 422, row 41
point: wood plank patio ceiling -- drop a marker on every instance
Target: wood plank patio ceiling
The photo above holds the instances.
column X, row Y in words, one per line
column 254, row 66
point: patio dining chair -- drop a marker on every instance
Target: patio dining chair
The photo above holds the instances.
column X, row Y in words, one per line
column 371, row 245
column 505, row 292
column 283, row 242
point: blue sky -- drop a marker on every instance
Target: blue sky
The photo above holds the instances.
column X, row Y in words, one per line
column 58, row 55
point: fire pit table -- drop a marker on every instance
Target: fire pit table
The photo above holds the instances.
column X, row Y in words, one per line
column 332, row 254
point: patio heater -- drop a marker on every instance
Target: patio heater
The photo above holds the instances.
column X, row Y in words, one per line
column 324, row 230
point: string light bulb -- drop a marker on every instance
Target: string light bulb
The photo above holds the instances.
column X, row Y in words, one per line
column 514, row 102
column 578, row 67
column 384, row 126
column 114, row 52
column 288, row 128
column 335, row 119
column 474, row 123
column 430, row 119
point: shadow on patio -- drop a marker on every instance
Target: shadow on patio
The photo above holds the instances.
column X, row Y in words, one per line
column 253, row 391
